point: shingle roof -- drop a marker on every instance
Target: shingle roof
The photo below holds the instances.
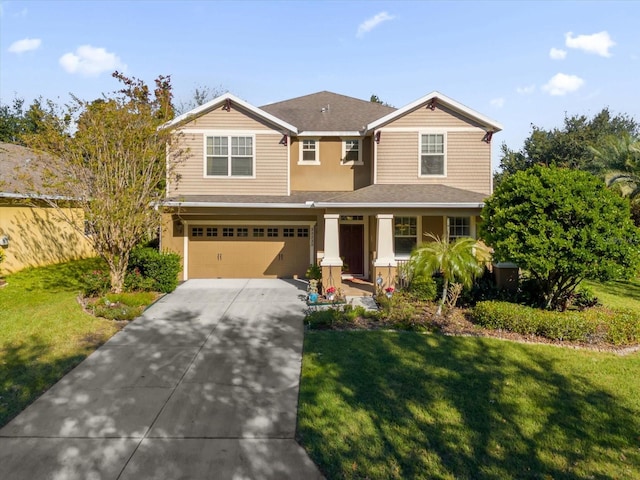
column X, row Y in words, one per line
column 327, row 111
column 14, row 160
column 389, row 195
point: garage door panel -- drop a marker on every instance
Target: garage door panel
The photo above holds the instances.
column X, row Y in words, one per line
column 232, row 256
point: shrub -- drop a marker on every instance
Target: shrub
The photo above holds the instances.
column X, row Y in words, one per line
column 423, row 289
column 584, row 298
column 616, row 327
column 95, row 283
column 325, row 319
column 136, row 282
column 314, row 272
column 117, row 312
column 398, row 310
column 162, row 268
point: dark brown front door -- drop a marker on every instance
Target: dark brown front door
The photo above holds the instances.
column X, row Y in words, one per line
column 352, row 247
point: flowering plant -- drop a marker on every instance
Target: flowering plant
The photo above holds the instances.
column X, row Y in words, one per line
column 331, row 290
column 389, row 289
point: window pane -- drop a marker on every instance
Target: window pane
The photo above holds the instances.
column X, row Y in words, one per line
column 404, row 245
column 220, row 146
column 308, row 156
column 432, row 165
column 459, row 227
column 241, row 166
column 217, row 166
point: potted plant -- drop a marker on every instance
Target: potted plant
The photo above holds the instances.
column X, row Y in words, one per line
column 330, row 293
column 389, row 291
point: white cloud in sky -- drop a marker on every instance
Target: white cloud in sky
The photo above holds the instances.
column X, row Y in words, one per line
column 597, row 43
column 527, row 90
column 25, row 45
column 557, row 53
column 91, row 61
column 371, row 23
column 561, row 84
column 497, row 102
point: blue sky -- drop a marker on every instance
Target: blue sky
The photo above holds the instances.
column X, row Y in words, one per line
column 520, row 63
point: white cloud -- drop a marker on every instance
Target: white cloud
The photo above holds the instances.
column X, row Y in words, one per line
column 497, row 102
column 528, row 90
column 557, row 53
column 371, row 23
column 561, row 84
column 91, row 61
column 25, row 45
column 598, row 43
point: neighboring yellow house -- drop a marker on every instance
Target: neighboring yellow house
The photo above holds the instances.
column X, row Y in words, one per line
column 32, row 233
column 323, row 178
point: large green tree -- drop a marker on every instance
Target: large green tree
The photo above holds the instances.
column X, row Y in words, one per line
column 561, row 226
column 459, row 261
column 569, row 146
column 110, row 161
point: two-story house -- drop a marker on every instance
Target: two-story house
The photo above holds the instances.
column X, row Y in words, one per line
column 324, row 178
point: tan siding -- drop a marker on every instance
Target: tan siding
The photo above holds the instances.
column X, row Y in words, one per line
column 236, row 119
column 423, row 117
column 270, row 171
column 468, row 161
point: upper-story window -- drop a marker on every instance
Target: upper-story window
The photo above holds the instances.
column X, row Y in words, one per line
column 230, row 156
column 310, row 152
column 432, row 154
column 352, row 151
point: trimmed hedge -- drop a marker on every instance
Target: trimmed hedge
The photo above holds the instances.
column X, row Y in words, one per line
column 617, row 327
column 162, row 268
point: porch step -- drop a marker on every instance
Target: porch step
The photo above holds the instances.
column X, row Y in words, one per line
column 366, row 302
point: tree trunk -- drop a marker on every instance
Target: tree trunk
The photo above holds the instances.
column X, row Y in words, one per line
column 445, row 287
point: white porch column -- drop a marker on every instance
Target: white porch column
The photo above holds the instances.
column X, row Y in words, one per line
column 331, row 241
column 386, row 255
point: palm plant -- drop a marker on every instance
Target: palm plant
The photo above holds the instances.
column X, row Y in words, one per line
column 622, row 155
column 459, row 261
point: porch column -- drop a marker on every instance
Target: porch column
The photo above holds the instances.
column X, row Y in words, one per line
column 331, row 263
column 384, row 266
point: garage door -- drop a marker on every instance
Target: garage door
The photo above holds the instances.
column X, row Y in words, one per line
column 253, row 251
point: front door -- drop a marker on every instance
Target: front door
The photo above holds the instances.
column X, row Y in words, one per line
column 352, row 247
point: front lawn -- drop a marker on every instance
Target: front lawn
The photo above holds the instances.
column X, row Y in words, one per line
column 382, row 405
column 617, row 293
column 43, row 331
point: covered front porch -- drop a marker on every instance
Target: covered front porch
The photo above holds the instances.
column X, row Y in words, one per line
column 362, row 249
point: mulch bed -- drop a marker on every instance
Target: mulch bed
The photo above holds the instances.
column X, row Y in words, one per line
column 456, row 322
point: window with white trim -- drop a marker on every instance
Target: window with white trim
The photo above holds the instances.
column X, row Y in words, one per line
column 432, row 154
column 458, row 227
column 309, row 151
column 230, row 156
column 352, row 151
column 405, row 235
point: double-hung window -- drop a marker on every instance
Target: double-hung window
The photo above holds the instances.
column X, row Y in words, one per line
column 458, row 227
column 230, row 156
column 351, row 151
column 309, row 152
column 405, row 231
column 432, row 154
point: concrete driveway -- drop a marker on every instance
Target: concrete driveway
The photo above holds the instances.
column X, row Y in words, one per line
column 203, row 386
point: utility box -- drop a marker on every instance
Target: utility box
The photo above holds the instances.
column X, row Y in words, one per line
column 507, row 275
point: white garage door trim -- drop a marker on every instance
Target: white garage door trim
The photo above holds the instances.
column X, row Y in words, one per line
column 187, row 223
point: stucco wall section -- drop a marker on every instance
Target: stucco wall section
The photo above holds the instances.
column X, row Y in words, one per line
column 40, row 236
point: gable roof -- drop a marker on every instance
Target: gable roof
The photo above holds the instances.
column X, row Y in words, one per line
column 489, row 124
column 216, row 102
column 328, row 112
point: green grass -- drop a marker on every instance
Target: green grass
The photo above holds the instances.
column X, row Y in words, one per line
column 617, row 294
column 381, row 405
column 43, row 331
